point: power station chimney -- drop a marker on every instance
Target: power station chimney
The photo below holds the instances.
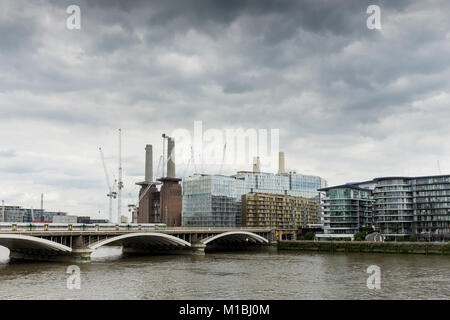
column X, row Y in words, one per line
column 281, row 162
column 256, row 165
column 148, row 163
column 170, row 157
column 42, row 201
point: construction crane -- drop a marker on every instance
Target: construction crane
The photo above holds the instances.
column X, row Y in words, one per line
column 191, row 159
column 160, row 163
column 112, row 194
column 132, row 207
column 119, row 181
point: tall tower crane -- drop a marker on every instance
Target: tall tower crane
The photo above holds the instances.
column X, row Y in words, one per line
column 112, row 194
column 119, row 181
column 191, row 159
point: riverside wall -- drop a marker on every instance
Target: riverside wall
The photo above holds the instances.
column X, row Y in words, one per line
column 442, row 248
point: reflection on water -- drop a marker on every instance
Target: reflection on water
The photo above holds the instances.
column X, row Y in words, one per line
column 107, row 254
column 240, row 275
column 4, row 255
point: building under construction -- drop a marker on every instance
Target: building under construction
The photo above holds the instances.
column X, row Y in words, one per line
column 160, row 205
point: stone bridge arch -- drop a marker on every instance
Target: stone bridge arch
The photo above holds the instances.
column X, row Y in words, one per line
column 16, row 242
column 144, row 242
column 24, row 247
column 235, row 237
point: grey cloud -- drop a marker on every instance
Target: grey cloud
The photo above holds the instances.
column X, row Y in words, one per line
column 310, row 68
column 7, row 153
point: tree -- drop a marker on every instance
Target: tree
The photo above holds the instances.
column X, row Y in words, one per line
column 309, row 236
column 413, row 238
column 360, row 236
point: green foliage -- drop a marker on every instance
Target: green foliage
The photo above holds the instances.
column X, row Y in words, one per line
column 367, row 230
column 413, row 239
column 363, row 232
column 309, row 236
column 400, row 239
column 360, row 236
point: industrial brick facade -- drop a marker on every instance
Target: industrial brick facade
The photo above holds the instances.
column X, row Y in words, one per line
column 170, row 202
column 148, row 211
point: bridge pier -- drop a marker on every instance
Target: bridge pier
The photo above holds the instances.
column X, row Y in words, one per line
column 80, row 255
column 198, row 248
column 273, row 246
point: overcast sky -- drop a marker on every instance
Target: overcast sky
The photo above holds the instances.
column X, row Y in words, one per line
column 351, row 103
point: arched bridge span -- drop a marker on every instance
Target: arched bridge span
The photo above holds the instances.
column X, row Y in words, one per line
column 144, row 241
column 235, row 237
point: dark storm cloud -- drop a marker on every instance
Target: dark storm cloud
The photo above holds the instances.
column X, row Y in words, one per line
column 351, row 103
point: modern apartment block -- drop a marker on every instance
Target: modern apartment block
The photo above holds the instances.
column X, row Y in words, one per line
column 401, row 206
column 345, row 209
column 215, row 200
column 417, row 206
column 278, row 211
column 393, row 208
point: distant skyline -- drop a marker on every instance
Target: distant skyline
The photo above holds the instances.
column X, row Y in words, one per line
column 351, row 103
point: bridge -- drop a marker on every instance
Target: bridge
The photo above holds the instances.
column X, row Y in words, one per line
column 65, row 245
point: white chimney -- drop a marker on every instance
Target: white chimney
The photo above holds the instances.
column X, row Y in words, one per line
column 148, row 163
column 256, row 165
column 281, row 162
column 170, row 158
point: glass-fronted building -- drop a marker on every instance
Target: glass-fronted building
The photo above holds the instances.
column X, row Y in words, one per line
column 211, row 201
column 393, row 207
column 346, row 208
column 215, row 200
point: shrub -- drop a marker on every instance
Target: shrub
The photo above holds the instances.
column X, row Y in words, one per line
column 360, row 236
column 309, row 236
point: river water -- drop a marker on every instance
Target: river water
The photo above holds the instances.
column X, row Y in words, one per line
column 239, row 275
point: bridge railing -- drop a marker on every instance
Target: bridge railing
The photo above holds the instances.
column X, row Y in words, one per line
column 217, row 228
column 122, row 230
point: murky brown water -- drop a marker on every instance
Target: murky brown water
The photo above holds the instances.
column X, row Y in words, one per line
column 242, row 275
